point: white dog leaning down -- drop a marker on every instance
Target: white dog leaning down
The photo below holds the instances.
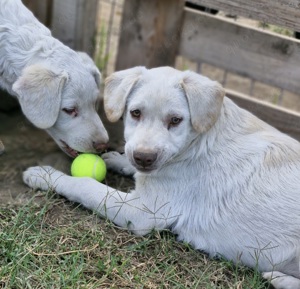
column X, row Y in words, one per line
column 57, row 87
column 210, row 171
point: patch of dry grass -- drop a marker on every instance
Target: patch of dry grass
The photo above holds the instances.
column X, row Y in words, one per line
column 61, row 245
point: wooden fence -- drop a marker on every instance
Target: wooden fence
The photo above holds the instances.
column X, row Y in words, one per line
column 154, row 32
column 71, row 21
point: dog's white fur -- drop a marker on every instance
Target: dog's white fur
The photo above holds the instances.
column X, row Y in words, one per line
column 223, row 180
column 57, row 87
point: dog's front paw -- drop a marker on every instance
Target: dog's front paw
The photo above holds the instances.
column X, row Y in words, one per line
column 118, row 163
column 43, row 178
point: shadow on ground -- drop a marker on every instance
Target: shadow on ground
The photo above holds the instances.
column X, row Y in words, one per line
column 26, row 146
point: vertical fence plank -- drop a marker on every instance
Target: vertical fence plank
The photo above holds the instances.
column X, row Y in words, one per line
column 86, row 26
column 74, row 23
column 42, row 9
column 150, row 33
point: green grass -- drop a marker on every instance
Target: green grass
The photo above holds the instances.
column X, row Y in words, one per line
column 59, row 245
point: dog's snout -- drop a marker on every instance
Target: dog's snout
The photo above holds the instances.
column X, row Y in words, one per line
column 99, row 146
column 144, row 159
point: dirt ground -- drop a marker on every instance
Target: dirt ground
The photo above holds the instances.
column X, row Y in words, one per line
column 26, row 146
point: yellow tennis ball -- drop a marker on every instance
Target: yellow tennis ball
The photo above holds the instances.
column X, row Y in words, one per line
column 89, row 165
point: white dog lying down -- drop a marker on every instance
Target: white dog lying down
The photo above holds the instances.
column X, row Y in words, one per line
column 217, row 176
column 57, row 87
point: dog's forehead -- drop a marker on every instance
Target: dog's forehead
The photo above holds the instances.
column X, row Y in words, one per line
column 159, row 89
column 159, row 95
column 167, row 75
column 82, row 85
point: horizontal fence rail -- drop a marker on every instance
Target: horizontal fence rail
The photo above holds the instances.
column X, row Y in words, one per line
column 285, row 120
column 284, row 13
column 259, row 55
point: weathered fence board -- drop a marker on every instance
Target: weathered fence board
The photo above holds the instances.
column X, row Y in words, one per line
column 260, row 55
column 149, row 33
column 42, row 9
column 74, row 23
column 86, row 26
column 285, row 120
column 280, row 12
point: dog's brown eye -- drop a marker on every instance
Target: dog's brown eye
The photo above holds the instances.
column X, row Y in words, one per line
column 71, row 111
column 135, row 113
column 175, row 121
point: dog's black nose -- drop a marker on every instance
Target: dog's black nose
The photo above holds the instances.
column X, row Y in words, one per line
column 99, row 146
column 144, row 159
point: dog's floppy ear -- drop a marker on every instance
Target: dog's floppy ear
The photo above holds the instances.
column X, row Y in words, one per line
column 87, row 60
column 117, row 88
column 205, row 99
column 39, row 92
